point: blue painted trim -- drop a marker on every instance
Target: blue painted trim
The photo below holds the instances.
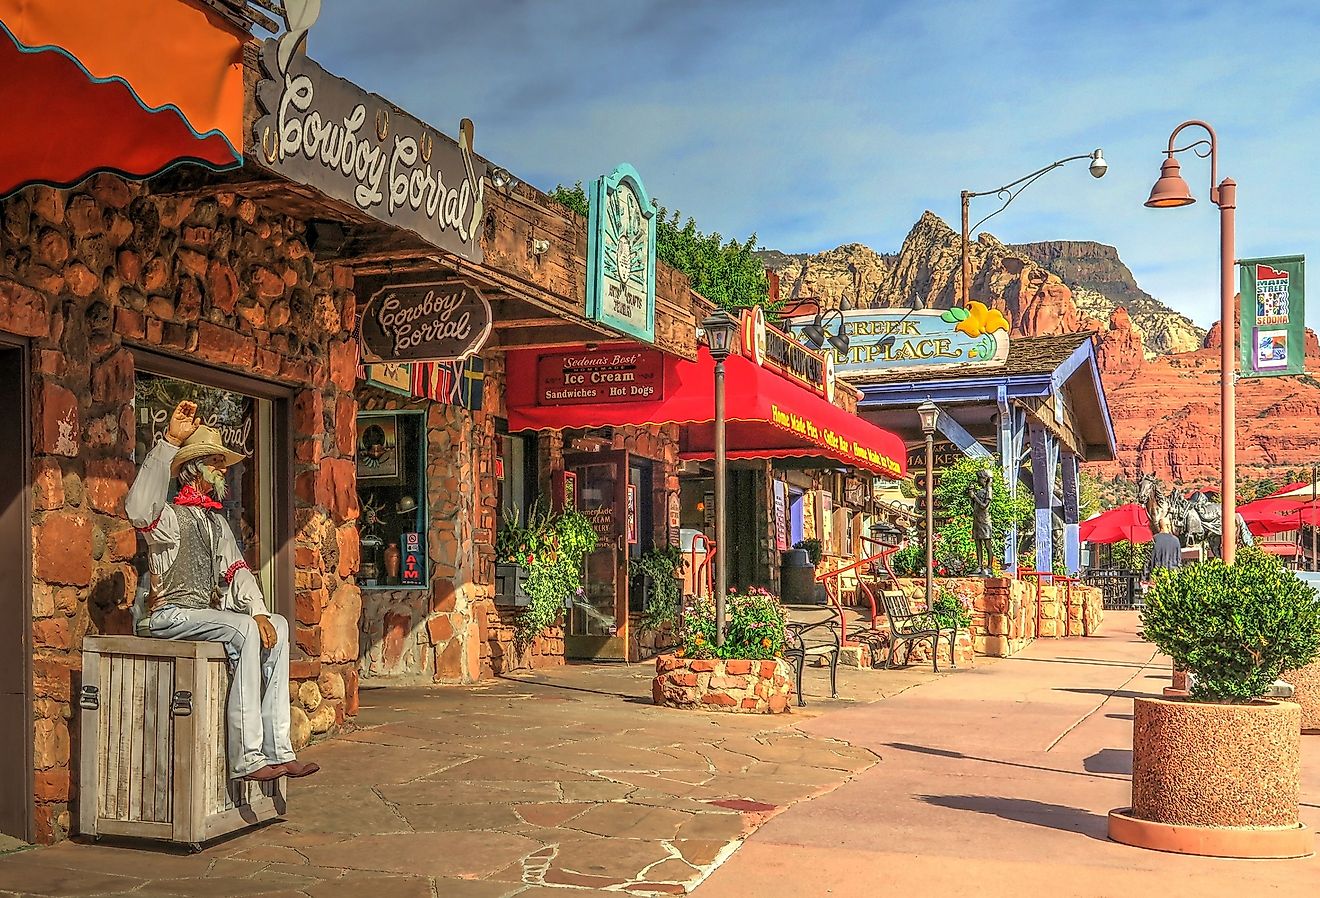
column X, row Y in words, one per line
column 596, row 197
column 150, row 110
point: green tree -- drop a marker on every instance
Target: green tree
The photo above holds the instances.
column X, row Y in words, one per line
column 729, row 274
column 953, row 514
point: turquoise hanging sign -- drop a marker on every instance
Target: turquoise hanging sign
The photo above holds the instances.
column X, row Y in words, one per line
column 621, row 254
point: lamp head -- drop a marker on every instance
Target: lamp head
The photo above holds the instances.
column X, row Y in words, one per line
column 929, row 413
column 840, row 343
column 720, row 327
column 1098, row 164
column 1170, row 189
column 814, row 333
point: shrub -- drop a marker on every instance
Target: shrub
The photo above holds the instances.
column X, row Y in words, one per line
column 1235, row 628
column 952, row 607
column 659, row 566
column 753, row 627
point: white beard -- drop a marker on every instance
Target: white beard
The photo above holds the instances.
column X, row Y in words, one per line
column 216, row 480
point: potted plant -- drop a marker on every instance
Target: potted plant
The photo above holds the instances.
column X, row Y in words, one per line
column 1218, row 772
column 657, row 572
column 547, row 556
column 747, row 673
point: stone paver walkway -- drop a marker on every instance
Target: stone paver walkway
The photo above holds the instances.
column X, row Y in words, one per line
column 567, row 783
column 997, row 782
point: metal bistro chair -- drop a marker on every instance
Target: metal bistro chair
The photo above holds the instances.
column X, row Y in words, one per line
column 813, row 633
column 907, row 627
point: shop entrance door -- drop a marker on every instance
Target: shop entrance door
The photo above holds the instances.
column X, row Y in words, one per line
column 15, row 613
column 597, row 625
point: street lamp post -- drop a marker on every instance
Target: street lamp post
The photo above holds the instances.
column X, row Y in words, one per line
column 1171, row 190
column 720, row 327
column 1008, row 193
column 929, row 413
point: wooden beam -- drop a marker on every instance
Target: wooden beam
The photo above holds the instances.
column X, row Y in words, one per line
column 542, row 338
column 504, row 324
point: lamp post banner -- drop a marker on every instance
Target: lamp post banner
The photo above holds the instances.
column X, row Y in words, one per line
column 1273, row 316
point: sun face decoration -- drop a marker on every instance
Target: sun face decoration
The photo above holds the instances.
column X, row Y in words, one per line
column 626, row 241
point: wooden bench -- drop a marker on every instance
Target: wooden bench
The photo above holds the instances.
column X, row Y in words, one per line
column 907, row 627
column 812, row 631
column 153, row 759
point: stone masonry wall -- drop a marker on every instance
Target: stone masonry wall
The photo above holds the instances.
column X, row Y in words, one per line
column 1006, row 612
column 85, row 273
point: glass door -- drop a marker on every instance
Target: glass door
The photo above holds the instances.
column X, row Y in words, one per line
column 597, row 624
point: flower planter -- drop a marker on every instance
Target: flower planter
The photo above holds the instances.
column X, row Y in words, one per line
column 1306, row 685
column 712, row 684
column 1215, row 779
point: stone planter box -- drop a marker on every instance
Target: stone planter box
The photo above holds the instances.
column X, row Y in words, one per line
column 1306, row 683
column 1215, row 779
column 711, row 684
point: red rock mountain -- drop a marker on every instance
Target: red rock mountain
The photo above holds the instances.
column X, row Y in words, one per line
column 1161, row 372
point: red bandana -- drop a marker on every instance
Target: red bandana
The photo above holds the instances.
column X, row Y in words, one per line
column 190, row 496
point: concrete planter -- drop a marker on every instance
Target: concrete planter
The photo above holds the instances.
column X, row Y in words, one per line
column 1306, row 683
column 712, row 684
column 1215, row 779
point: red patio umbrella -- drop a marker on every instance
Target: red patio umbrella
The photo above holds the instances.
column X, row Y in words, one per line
column 1127, row 522
column 1275, row 515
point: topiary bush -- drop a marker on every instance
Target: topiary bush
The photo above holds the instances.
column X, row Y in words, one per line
column 1235, row 628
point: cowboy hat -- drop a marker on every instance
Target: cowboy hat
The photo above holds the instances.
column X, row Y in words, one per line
column 205, row 441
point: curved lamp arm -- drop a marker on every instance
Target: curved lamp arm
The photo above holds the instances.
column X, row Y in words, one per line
column 1007, row 193
column 1211, row 149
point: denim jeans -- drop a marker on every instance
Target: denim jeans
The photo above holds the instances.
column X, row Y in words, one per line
column 258, row 708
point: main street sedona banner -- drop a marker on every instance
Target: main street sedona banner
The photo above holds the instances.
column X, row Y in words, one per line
column 1273, row 338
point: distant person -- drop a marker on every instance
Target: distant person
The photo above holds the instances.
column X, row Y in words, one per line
column 1165, row 552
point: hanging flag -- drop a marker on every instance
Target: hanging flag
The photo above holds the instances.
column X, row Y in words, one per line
column 1273, row 340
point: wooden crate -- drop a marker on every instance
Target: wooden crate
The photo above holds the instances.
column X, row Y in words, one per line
column 153, row 753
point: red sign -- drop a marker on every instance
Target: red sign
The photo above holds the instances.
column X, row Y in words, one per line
column 600, row 375
column 411, row 575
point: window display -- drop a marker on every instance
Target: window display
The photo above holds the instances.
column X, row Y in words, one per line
column 391, row 474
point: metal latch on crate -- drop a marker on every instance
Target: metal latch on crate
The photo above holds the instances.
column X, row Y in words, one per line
column 182, row 705
column 89, row 698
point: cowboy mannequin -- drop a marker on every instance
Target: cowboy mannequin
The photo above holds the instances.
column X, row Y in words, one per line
column 202, row 589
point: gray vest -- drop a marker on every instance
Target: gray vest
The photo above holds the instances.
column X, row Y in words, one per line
column 193, row 580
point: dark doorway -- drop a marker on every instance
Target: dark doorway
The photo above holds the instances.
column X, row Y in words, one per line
column 15, row 610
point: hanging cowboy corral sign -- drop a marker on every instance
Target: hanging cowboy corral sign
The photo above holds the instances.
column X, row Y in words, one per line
column 444, row 321
column 358, row 148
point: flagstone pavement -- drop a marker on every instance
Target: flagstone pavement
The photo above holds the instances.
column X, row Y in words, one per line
column 568, row 782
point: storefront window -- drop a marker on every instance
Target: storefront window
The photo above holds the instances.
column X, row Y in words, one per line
column 245, row 424
column 516, row 474
column 391, row 476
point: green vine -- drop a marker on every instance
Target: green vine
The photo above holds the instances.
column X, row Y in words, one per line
column 552, row 549
column 659, row 566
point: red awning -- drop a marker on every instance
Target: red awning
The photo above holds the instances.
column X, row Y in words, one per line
column 767, row 415
column 130, row 87
column 1287, row 550
column 1127, row 522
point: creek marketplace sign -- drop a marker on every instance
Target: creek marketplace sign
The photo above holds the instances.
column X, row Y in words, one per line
column 882, row 341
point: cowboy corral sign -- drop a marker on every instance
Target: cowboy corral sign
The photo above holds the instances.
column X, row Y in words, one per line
column 443, row 321
column 621, row 254
column 356, row 147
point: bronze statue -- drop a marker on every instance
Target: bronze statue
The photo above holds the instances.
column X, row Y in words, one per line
column 980, row 493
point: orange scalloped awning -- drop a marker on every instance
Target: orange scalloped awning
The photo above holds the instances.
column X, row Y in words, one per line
column 132, row 87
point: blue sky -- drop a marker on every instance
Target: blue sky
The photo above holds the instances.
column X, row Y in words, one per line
column 819, row 123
